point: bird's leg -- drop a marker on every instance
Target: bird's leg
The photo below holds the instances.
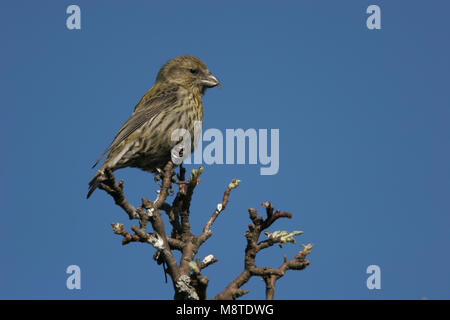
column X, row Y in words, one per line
column 180, row 180
column 179, row 177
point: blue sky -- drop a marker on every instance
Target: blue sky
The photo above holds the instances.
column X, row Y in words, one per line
column 364, row 142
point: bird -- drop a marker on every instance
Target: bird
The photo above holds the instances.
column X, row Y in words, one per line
column 174, row 102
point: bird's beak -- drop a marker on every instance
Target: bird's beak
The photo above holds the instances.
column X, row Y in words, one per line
column 210, row 81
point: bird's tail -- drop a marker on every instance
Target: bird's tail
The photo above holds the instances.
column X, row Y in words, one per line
column 95, row 182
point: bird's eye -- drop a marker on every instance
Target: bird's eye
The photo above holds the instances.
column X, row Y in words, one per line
column 194, row 71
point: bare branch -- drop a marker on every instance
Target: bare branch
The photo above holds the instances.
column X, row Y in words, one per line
column 116, row 192
column 187, row 279
column 269, row 275
column 220, row 207
column 270, row 287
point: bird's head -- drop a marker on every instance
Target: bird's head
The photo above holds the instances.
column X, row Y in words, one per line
column 188, row 71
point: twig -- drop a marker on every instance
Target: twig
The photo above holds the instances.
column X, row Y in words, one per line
column 206, row 233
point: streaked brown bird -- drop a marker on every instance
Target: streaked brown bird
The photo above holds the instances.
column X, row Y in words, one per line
column 174, row 102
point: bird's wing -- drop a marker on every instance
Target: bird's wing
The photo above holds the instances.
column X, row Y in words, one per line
column 145, row 111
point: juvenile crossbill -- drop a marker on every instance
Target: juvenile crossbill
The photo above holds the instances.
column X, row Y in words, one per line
column 174, row 102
